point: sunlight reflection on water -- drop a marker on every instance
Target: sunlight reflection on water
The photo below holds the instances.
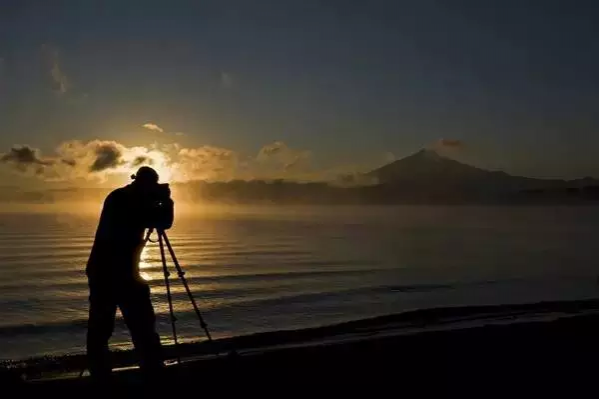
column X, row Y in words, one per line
column 144, row 264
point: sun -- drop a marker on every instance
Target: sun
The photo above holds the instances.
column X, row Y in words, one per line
column 136, row 157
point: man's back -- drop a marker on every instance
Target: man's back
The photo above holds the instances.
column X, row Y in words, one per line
column 119, row 236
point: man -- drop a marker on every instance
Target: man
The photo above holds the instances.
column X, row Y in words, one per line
column 113, row 273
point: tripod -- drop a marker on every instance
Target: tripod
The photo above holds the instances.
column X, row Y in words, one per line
column 162, row 241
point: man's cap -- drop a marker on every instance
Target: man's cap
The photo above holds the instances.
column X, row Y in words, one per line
column 146, row 174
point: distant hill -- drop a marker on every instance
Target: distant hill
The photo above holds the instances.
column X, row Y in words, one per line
column 426, row 174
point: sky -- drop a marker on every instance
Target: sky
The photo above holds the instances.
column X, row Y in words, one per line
column 295, row 89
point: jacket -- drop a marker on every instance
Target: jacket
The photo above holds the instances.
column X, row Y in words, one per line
column 119, row 237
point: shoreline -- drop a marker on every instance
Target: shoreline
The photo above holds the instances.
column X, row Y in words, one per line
column 531, row 357
column 393, row 326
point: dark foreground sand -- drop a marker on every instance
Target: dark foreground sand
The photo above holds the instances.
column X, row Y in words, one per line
column 516, row 359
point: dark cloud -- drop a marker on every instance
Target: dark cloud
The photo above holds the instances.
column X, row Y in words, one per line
column 141, row 160
column 72, row 160
column 27, row 160
column 25, row 155
column 108, row 156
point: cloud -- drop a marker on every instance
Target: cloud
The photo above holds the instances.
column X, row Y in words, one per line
column 85, row 160
column 449, row 143
column 60, row 82
column 89, row 160
column 272, row 149
column 205, row 163
column 24, row 155
column 154, row 127
column 26, row 160
column 447, row 147
column 226, row 80
column 279, row 154
column 108, row 156
column 142, row 160
column 96, row 160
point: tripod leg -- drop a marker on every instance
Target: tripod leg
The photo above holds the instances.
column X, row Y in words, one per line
column 168, row 294
column 182, row 276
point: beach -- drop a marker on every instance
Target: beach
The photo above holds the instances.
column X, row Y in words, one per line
column 514, row 350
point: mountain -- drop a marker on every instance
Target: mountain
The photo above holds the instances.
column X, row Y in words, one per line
column 429, row 168
column 428, row 175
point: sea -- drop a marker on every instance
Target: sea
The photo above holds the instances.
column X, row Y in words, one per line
column 271, row 268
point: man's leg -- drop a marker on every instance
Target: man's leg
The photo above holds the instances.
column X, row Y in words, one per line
column 138, row 313
column 102, row 312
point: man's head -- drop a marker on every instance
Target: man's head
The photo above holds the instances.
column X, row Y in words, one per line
column 145, row 177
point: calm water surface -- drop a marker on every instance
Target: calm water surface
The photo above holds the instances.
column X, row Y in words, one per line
column 255, row 270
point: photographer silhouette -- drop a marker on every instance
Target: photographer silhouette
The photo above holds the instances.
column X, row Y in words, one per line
column 113, row 272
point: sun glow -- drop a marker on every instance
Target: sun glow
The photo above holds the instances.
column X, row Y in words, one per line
column 144, row 264
column 140, row 156
column 135, row 157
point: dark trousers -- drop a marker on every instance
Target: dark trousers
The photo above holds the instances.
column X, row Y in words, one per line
column 133, row 299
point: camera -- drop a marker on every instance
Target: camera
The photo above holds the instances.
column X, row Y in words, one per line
column 160, row 213
column 161, row 192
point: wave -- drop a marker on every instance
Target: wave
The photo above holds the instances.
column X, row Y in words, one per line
column 61, row 275
column 218, row 300
column 396, row 323
column 215, row 292
column 45, row 328
column 243, row 297
column 48, row 256
column 219, row 273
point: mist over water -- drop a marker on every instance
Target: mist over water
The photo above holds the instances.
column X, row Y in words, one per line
column 274, row 268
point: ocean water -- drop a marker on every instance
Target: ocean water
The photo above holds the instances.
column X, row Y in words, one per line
column 270, row 268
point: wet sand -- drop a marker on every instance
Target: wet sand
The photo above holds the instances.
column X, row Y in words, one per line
column 520, row 359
